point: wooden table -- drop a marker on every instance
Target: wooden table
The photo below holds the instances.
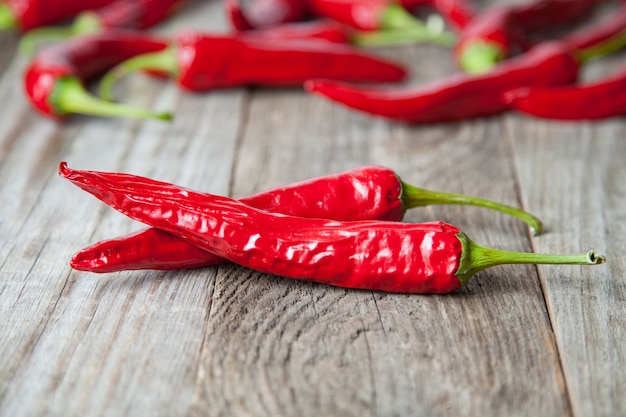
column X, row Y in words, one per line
column 227, row 341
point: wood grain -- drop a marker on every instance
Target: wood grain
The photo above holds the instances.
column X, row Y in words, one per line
column 227, row 341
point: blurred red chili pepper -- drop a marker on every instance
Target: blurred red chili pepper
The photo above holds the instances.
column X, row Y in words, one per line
column 367, row 193
column 389, row 256
column 261, row 14
column 600, row 99
column 458, row 13
column 117, row 14
column 54, row 80
column 379, row 22
column 201, row 61
column 504, row 29
column 593, row 101
column 319, row 29
column 26, row 15
column 459, row 96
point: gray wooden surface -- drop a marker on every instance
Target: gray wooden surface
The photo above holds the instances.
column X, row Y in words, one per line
column 226, row 341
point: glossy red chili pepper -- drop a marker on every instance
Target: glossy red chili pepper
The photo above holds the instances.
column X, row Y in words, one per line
column 367, row 193
column 204, row 61
column 117, row 14
column 458, row 13
column 504, row 29
column 28, row 14
column 261, row 14
column 389, row 256
column 54, row 80
column 460, row 96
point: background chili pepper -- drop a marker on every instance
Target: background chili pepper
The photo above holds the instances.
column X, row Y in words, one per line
column 389, row 256
column 503, row 30
column 26, row 15
column 117, row 14
column 598, row 100
column 367, row 193
column 319, row 29
column 460, row 96
column 204, row 61
column 265, row 13
column 458, row 13
column 381, row 22
column 592, row 101
column 54, row 80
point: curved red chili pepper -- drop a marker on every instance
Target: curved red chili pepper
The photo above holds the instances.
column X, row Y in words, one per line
column 389, row 256
column 261, row 14
column 54, row 80
column 26, row 15
column 204, row 61
column 460, row 96
column 503, row 30
column 367, row 193
column 598, row 100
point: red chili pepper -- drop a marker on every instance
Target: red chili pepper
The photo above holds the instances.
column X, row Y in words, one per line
column 598, row 100
column 382, row 21
column 504, row 29
column 460, row 96
column 116, row 14
column 319, row 29
column 389, row 256
column 265, row 13
column 592, row 101
column 368, row 193
column 204, row 61
column 54, row 80
column 26, row 15
column 456, row 12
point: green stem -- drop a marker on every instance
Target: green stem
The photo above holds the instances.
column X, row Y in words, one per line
column 480, row 56
column 395, row 16
column 475, row 258
column 70, row 96
column 7, row 18
column 601, row 49
column 162, row 61
column 86, row 22
column 402, row 37
column 415, row 197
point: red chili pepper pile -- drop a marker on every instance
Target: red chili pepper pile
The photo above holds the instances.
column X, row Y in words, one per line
column 433, row 257
column 343, row 229
column 368, row 193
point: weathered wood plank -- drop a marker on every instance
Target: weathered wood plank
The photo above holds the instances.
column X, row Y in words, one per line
column 573, row 174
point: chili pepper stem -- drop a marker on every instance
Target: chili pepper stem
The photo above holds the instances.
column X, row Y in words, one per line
column 70, row 96
column 7, row 18
column 162, row 61
column 415, row 197
column 475, row 258
column 601, row 49
column 398, row 26
column 479, row 57
column 85, row 23
column 403, row 36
